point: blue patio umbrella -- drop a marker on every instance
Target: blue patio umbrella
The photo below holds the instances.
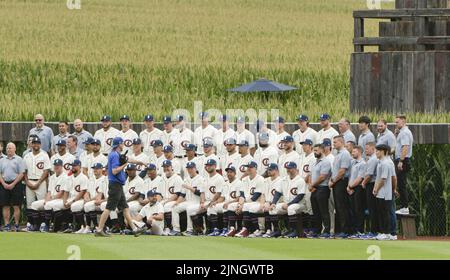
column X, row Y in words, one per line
column 263, row 85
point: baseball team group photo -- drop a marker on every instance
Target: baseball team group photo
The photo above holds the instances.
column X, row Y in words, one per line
column 234, row 130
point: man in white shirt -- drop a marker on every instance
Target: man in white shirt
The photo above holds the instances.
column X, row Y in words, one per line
column 265, row 154
column 327, row 130
column 344, row 130
column 63, row 155
column 132, row 188
column 94, row 158
column 231, row 195
column 168, row 155
column 208, row 153
column 158, row 155
column 139, row 158
column 224, row 133
column 153, row 212
column 170, row 133
column 281, row 133
column 244, row 134
column 150, row 134
column 206, row 130
column 303, row 132
column 244, row 159
column 172, row 194
column 185, row 137
column 261, row 126
column 231, row 158
column 106, row 134
column 289, row 155
column 127, row 134
column 191, row 157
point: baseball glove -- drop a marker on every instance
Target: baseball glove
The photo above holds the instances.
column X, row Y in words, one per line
column 123, row 159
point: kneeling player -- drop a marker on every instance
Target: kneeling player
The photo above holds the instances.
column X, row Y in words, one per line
column 274, row 185
column 172, row 192
column 231, row 203
column 153, row 213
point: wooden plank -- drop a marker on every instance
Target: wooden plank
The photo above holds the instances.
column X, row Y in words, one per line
column 353, row 81
column 434, row 40
column 376, row 41
column 401, row 13
column 375, row 79
column 359, row 32
column 387, row 92
column 419, row 87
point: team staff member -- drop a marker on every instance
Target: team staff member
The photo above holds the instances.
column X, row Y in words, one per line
column 339, row 182
column 81, row 134
column 385, row 136
column 106, row 134
column 72, row 146
column 116, row 196
column 12, row 168
column 403, row 153
column 366, row 135
column 37, row 166
column 368, row 184
column 356, row 191
column 345, row 131
column 44, row 133
column 63, row 128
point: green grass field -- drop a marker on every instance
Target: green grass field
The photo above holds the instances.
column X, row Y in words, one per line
column 152, row 56
column 54, row 246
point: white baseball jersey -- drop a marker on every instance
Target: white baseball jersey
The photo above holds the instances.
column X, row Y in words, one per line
column 98, row 185
column 84, row 156
column 56, row 184
column 247, row 136
column 221, row 137
column 273, row 186
column 279, row 145
column 200, row 133
column 273, row 137
column 170, row 137
column 228, row 160
column 172, row 185
column 156, row 184
column 36, row 164
column 106, row 138
column 153, row 209
column 252, row 186
column 158, row 162
column 329, row 133
column 147, row 137
column 300, row 136
column 128, row 138
column 197, row 183
column 198, row 164
column 306, row 164
column 76, row 184
column 67, row 159
column 185, row 136
column 285, row 158
column 203, row 159
column 264, row 157
column 93, row 159
column 232, row 190
column 142, row 157
column 213, row 185
column 240, row 168
column 132, row 186
column 175, row 166
column 294, row 187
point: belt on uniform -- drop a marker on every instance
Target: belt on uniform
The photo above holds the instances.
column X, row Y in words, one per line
column 180, row 156
column 33, row 179
column 105, row 154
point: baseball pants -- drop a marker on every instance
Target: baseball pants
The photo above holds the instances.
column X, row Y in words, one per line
column 37, row 194
column 90, row 206
column 320, row 203
column 176, row 210
column 134, row 207
column 342, row 203
column 38, row 205
column 55, row 205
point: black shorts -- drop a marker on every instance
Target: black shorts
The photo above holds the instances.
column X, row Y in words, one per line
column 12, row 197
column 116, row 197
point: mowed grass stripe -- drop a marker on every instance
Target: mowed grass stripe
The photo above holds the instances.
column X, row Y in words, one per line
column 53, row 246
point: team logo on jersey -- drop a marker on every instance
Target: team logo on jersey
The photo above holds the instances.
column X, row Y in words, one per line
column 184, row 143
column 57, row 188
column 139, row 167
column 40, row 165
column 229, row 165
column 280, row 145
column 109, row 141
column 306, row 168
column 66, row 166
column 294, row 191
column 286, row 164
column 128, row 143
column 233, row 194
column 96, row 189
column 252, row 191
column 131, row 190
column 212, row 189
column 171, row 143
column 172, row 190
column 265, row 161
column 273, row 191
column 77, row 188
column 242, row 168
column 155, row 189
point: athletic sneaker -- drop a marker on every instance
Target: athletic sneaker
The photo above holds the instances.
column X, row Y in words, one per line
column 102, row 234
column 341, row 235
column 174, row 233
column 256, row 233
column 231, row 232
column 402, row 211
column 43, row 228
column 80, row 231
column 215, row 232
column 324, row 236
column 267, row 234
column 224, row 232
column 242, row 233
column 69, row 229
column 293, row 234
column 392, row 237
column 188, row 233
column 355, row 236
column 275, row 234
column 166, row 232
column 87, row 230
column 7, row 228
column 383, row 237
column 138, row 231
column 16, row 228
column 28, row 228
column 312, row 235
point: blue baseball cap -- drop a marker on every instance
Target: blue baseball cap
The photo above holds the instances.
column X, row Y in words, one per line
column 302, row 118
column 76, row 162
column 106, row 118
column 190, row 164
column 264, row 137
column 287, row 138
column 224, row 118
column 167, row 149
column 324, row 117
column 137, row 141
column 156, row 143
column 190, row 147
column 151, row 166
column 151, row 193
column 179, row 118
column 243, row 143
column 230, row 168
column 167, row 119
column 272, row 166
column 131, row 166
column 124, row 117
column 35, row 139
column 117, row 141
column 96, row 142
column 211, row 162
column 230, row 141
column 290, row 165
column 208, row 142
column 97, row 165
column 88, row 140
column 203, row 115
column 251, row 164
column 327, row 142
column 167, row 163
column 240, row 119
column 148, row 118
column 58, row 162
column 61, row 142
column 307, row 142
column 279, row 120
